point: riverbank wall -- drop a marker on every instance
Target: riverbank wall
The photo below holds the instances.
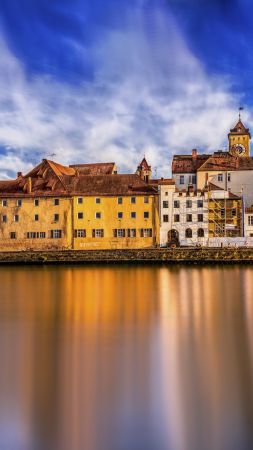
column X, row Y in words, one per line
column 142, row 256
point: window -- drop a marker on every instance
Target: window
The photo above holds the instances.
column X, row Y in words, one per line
column 181, row 179
column 56, row 217
column 120, row 200
column 4, row 203
column 98, row 233
column 36, row 202
column 41, row 235
column 166, row 193
column 120, row 233
column 194, row 179
column 200, row 218
column 131, row 232
column 176, row 218
column 146, row 232
column 165, row 204
column 56, row 234
column 56, row 202
column 133, row 200
column 146, row 200
column 80, row 200
column 165, row 218
column 222, row 212
column 176, row 204
column 36, row 217
column 188, row 233
column 188, row 204
column 146, row 214
column 98, row 215
column 233, row 212
column 80, row 233
column 4, row 218
column 19, row 202
column 13, row 235
column 31, row 235
column 200, row 203
column 201, row 233
column 80, row 215
column 120, row 215
column 229, row 176
column 16, row 218
column 188, row 217
column 98, row 201
column 133, row 215
column 250, row 220
column 220, row 177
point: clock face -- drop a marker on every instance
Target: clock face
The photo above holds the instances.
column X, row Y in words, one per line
column 239, row 149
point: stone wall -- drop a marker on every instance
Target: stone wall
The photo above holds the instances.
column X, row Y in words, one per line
column 169, row 256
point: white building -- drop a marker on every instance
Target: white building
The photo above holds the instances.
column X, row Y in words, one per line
column 183, row 215
column 166, row 195
column 190, row 217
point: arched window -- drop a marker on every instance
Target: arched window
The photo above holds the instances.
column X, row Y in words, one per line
column 188, row 233
column 201, row 233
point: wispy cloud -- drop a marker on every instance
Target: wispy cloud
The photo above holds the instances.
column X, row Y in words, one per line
column 149, row 95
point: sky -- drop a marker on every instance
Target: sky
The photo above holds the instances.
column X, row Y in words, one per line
column 113, row 80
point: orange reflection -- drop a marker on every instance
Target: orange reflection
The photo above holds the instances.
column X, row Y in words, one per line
column 126, row 357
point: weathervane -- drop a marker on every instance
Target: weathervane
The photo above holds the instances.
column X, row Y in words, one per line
column 240, row 109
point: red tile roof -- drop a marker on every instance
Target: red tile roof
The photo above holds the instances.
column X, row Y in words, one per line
column 144, row 165
column 220, row 161
column 239, row 129
column 188, row 163
column 52, row 179
column 95, row 169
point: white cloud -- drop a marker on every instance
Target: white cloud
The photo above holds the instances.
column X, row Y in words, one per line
column 150, row 95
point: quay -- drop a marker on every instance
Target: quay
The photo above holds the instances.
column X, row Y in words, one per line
column 240, row 255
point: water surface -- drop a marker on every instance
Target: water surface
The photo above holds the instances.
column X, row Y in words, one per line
column 126, row 358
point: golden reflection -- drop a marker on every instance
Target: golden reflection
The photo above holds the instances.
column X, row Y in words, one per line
column 126, row 357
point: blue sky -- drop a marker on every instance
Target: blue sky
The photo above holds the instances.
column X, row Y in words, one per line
column 102, row 80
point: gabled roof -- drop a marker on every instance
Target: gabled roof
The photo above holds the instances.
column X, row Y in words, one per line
column 188, row 163
column 240, row 129
column 95, row 169
column 220, row 161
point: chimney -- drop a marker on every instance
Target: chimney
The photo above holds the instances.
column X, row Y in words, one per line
column 194, row 153
column 29, row 185
column 19, row 174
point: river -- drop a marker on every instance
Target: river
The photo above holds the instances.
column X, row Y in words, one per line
column 126, row 358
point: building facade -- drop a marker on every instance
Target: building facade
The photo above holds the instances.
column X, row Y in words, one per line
column 58, row 207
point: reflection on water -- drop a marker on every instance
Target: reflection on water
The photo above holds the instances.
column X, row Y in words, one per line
column 126, row 358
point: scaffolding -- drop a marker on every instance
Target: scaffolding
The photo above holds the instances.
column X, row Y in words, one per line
column 224, row 215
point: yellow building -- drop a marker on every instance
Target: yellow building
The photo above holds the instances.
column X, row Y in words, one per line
column 115, row 211
column 58, row 207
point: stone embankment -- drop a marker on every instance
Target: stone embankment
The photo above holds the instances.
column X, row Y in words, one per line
column 142, row 256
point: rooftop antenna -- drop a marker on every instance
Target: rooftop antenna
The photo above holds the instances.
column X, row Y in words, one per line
column 241, row 108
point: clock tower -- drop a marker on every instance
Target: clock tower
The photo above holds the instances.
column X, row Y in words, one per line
column 239, row 140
